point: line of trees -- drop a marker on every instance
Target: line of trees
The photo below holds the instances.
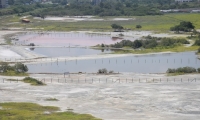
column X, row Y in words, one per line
column 86, row 7
column 150, row 42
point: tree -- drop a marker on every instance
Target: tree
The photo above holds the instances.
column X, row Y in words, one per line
column 4, row 67
column 102, row 71
column 43, row 16
column 197, row 42
column 102, row 45
column 137, row 44
column 19, row 67
column 138, row 26
column 11, row 2
column 185, row 26
column 117, row 27
column 198, row 70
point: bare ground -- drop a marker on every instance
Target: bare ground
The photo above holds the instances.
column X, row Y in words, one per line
column 148, row 98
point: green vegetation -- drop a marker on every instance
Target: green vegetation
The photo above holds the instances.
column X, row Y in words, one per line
column 152, row 23
column 51, row 99
column 158, row 49
column 138, row 26
column 151, row 42
column 117, row 27
column 104, row 71
column 9, row 37
column 183, row 26
column 197, row 42
column 198, row 70
column 198, row 50
column 150, row 45
column 21, row 9
column 183, row 70
column 86, row 7
column 33, row 81
column 31, row 111
column 18, row 69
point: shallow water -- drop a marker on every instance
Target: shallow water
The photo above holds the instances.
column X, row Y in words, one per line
column 65, row 39
column 73, row 52
column 138, row 64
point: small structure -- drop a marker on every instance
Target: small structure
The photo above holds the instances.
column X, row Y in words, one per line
column 66, row 73
column 25, row 20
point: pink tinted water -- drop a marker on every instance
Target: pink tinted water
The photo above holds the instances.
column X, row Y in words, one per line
column 66, row 39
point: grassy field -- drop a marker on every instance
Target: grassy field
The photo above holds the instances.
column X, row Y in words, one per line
column 156, row 23
column 155, row 50
column 13, row 73
column 31, row 111
column 33, row 81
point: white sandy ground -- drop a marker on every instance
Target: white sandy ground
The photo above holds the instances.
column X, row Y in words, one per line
column 151, row 100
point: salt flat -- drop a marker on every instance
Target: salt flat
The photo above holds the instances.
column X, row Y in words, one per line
column 113, row 100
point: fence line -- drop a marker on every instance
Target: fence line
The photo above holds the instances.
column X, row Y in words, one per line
column 106, row 61
column 110, row 80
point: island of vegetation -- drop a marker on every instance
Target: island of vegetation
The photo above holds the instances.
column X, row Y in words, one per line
column 19, row 69
column 32, row 111
column 182, row 70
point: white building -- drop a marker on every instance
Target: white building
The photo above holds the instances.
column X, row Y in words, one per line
column 183, row 0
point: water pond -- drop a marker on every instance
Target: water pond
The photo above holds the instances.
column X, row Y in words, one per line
column 67, row 39
column 64, row 51
column 158, row 63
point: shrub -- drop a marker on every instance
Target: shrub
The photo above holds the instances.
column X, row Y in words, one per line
column 186, row 70
column 102, row 45
column 185, row 26
column 150, row 42
column 21, row 68
column 182, row 70
column 111, row 71
column 18, row 68
column 33, row 81
column 198, row 70
column 138, row 26
column 171, row 70
column 4, row 67
column 32, row 44
column 197, row 42
column 198, row 50
column 102, row 71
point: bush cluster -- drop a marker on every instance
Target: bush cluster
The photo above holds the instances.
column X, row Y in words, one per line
column 183, row 70
column 104, row 71
column 183, row 26
column 150, row 42
column 33, row 81
column 18, row 68
column 197, row 42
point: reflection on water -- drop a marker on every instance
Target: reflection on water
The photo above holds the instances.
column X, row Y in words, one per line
column 137, row 64
column 57, row 52
column 65, row 39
